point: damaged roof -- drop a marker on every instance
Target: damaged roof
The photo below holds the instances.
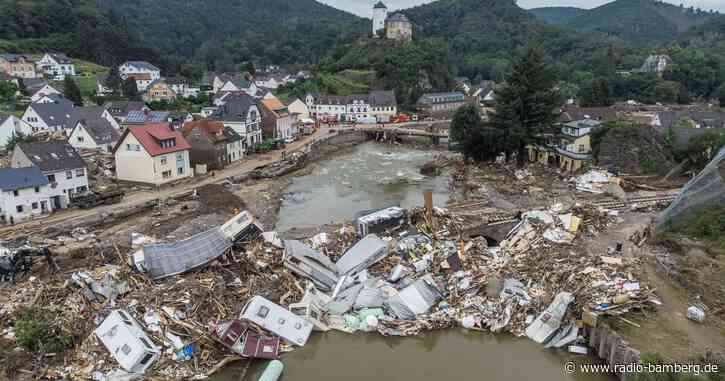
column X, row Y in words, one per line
column 52, row 156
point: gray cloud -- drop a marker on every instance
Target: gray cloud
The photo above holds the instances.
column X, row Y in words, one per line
column 364, row 7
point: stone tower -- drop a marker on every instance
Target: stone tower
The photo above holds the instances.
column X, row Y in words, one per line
column 380, row 13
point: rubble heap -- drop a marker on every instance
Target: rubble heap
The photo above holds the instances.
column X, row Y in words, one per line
column 390, row 273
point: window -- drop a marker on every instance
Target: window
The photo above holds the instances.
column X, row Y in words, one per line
column 126, row 349
column 82, row 189
column 146, row 358
column 163, row 160
column 80, row 172
column 263, row 312
column 15, row 193
column 35, row 205
column 80, row 139
column 180, row 170
column 281, row 321
column 68, row 175
column 299, row 325
column 19, row 208
column 166, row 174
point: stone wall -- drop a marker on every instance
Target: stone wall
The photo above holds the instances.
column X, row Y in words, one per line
column 321, row 148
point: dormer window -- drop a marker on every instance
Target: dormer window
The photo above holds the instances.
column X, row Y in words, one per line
column 168, row 143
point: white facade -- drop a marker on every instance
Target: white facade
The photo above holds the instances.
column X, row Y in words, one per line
column 235, row 151
column 300, row 108
column 23, row 204
column 127, row 342
column 134, row 164
column 350, row 111
column 286, row 127
column 229, row 86
column 379, row 16
column 136, row 69
column 250, row 129
column 54, row 69
column 64, row 184
column 12, row 126
column 80, row 139
column 35, row 121
column 39, row 95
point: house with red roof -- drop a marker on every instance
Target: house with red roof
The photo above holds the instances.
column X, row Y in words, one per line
column 152, row 153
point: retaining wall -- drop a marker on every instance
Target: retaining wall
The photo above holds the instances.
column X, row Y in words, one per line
column 609, row 346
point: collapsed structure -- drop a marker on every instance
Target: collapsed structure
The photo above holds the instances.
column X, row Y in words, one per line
column 233, row 291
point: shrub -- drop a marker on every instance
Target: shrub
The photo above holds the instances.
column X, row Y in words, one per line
column 39, row 330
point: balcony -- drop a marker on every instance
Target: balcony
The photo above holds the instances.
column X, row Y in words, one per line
column 562, row 150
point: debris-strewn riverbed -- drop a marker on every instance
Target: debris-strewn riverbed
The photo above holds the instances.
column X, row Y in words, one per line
column 401, row 272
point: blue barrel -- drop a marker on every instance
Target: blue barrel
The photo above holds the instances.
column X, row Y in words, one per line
column 273, row 371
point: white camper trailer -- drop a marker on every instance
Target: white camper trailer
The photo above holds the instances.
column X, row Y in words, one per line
column 278, row 320
column 127, row 342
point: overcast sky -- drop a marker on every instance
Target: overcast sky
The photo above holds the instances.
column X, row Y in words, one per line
column 364, row 7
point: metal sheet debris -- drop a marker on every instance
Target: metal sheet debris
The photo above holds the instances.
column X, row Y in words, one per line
column 549, row 321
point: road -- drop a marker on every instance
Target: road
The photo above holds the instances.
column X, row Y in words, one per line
column 143, row 196
column 140, row 197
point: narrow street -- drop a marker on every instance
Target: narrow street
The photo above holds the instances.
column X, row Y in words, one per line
column 144, row 196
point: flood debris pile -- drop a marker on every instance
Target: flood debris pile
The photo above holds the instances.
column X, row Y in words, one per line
column 184, row 309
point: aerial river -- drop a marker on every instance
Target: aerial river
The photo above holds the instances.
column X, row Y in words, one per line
column 372, row 176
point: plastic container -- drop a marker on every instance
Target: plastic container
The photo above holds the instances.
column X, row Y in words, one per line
column 273, row 371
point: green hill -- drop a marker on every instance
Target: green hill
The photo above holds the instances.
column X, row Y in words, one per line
column 640, row 20
column 75, row 27
column 221, row 34
column 556, row 15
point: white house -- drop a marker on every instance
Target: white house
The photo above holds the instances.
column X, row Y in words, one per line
column 43, row 92
column 297, row 106
column 60, row 163
column 152, row 154
column 236, row 85
column 271, row 81
column 242, row 115
column 24, row 193
column 127, row 342
column 380, row 105
column 11, row 126
column 94, row 134
column 53, row 116
column 142, row 72
column 56, row 66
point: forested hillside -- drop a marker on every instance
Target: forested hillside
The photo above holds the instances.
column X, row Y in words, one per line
column 483, row 35
column 75, row 27
column 219, row 34
column 556, row 15
column 640, row 20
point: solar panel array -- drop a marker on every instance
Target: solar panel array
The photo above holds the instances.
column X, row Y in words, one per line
column 167, row 259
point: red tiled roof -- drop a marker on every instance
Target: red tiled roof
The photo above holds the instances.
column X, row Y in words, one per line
column 150, row 136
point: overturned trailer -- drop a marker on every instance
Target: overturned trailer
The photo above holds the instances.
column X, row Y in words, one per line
column 309, row 263
column 168, row 259
column 380, row 220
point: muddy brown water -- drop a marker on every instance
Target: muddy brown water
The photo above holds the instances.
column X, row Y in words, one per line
column 374, row 176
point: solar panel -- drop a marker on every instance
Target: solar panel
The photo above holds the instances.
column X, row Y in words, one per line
column 167, row 259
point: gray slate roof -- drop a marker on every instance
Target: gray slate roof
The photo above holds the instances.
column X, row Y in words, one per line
column 61, row 58
column 235, row 109
column 58, row 113
column 20, row 178
column 706, row 119
column 12, row 57
column 380, row 5
column 122, row 108
column 33, row 84
column 382, row 98
column 101, row 130
column 431, row 98
column 53, row 155
column 397, row 17
column 143, row 65
column 87, row 113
